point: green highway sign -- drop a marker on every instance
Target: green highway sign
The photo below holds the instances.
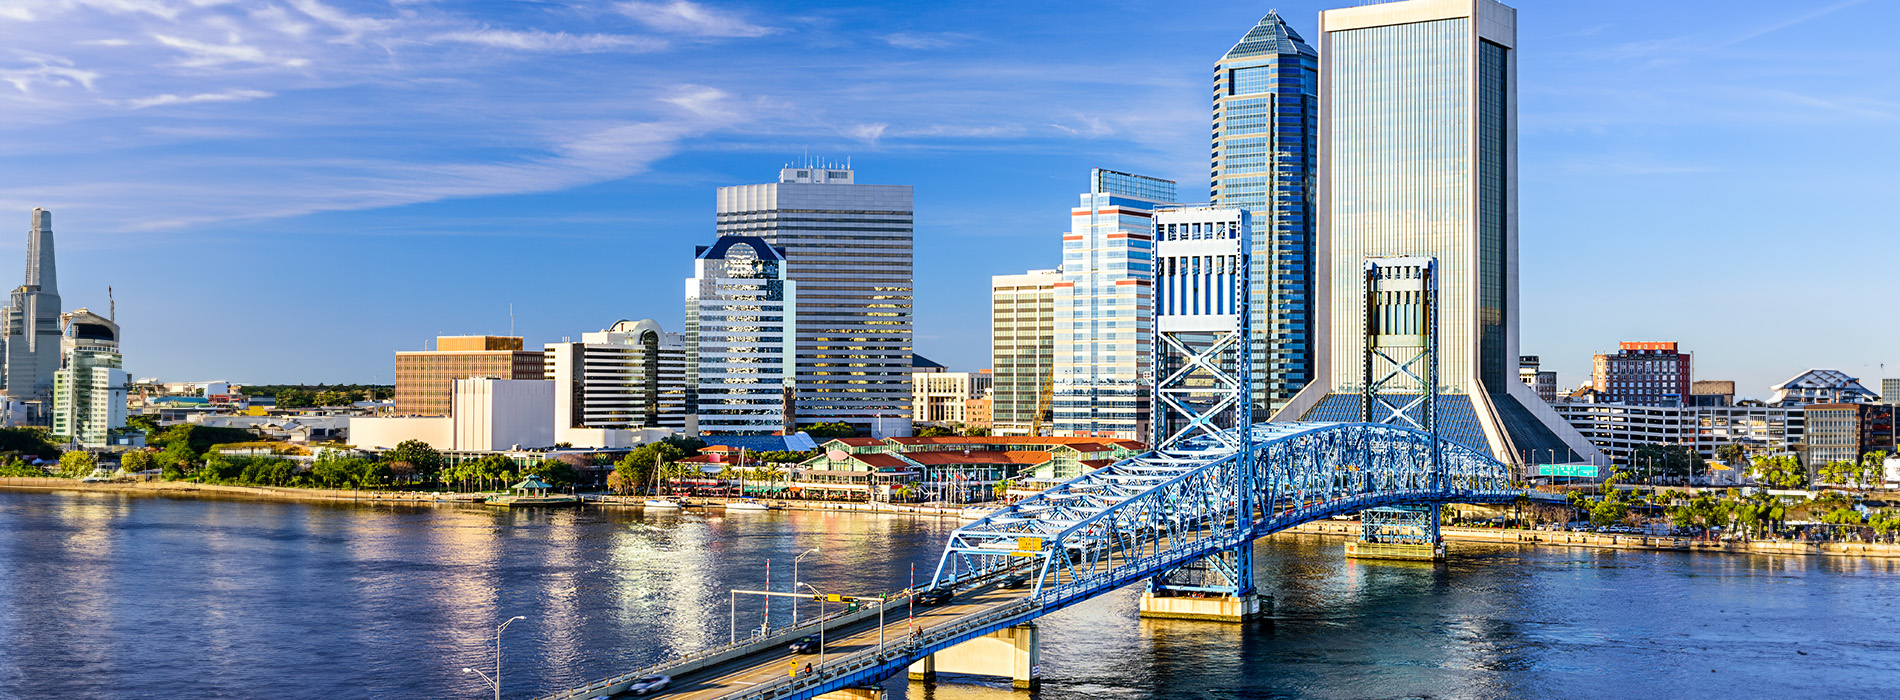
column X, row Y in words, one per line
column 1583, row 470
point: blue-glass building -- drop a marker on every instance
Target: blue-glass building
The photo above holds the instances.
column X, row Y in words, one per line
column 1266, row 108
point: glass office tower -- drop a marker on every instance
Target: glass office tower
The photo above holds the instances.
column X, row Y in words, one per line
column 1418, row 152
column 848, row 246
column 1022, row 351
column 740, row 306
column 1104, row 315
column 1266, row 111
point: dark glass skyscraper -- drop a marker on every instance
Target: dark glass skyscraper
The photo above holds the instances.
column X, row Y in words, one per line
column 1266, row 92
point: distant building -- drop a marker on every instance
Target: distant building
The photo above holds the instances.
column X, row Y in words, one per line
column 1022, row 350
column 978, row 412
column 1643, row 374
column 1712, row 393
column 1104, row 308
column 632, row 375
column 1530, row 372
column 955, row 469
column 1890, row 391
column 1821, row 386
column 89, row 388
column 924, row 365
column 30, row 325
column 1842, row 432
column 740, row 363
column 848, row 246
column 424, row 379
column 943, row 397
column 486, row 415
column 1618, row 429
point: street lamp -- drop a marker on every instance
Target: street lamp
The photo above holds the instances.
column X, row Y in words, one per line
column 821, row 617
column 496, row 681
column 795, row 583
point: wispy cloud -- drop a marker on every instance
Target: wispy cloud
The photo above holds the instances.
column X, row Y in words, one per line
column 47, row 71
column 554, row 41
column 201, row 54
column 226, row 96
column 925, row 40
column 869, row 133
column 691, row 18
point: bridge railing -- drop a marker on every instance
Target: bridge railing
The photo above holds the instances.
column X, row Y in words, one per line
column 860, row 666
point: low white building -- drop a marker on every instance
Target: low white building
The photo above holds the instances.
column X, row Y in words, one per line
column 942, row 397
column 486, row 415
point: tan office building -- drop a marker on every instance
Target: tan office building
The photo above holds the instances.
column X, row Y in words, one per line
column 425, row 379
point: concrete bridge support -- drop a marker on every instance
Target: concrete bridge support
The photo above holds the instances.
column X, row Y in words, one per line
column 1011, row 652
column 1211, row 607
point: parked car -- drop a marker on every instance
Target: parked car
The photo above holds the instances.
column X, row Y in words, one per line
column 808, row 644
column 935, row 596
column 647, row 685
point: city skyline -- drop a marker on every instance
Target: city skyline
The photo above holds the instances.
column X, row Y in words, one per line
column 1659, row 123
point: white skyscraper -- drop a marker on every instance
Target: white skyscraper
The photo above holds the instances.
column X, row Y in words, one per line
column 848, row 246
column 1418, row 160
column 632, row 375
column 739, row 360
column 89, row 387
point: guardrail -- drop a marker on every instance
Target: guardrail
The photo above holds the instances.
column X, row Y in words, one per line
column 844, row 671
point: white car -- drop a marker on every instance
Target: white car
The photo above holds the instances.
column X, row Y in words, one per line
column 649, row 684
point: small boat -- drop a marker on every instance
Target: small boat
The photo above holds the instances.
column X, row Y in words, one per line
column 661, row 503
column 747, row 505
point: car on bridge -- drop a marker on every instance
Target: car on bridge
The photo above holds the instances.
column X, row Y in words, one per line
column 809, row 644
column 935, row 596
column 647, row 685
column 1013, row 581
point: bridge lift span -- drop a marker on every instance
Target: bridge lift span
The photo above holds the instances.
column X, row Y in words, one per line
column 1182, row 517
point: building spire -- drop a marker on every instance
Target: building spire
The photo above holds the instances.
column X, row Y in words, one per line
column 39, row 253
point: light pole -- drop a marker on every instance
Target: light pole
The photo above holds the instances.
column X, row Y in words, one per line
column 821, row 617
column 795, row 583
column 496, row 681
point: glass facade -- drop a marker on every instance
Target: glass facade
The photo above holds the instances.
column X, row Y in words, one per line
column 1104, row 308
column 1266, row 97
column 739, row 311
column 849, row 248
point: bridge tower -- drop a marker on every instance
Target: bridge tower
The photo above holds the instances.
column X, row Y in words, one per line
column 1202, row 399
column 1400, row 387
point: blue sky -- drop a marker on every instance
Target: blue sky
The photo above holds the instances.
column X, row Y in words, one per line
column 291, row 190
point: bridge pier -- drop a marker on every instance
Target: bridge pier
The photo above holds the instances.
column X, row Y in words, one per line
column 853, row 694
column 1210, row 607
column 1012, row 652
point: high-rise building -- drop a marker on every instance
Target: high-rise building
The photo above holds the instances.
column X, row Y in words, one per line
column 1643, row 374
column 89, row 387
column 1104, row 312
column 1266, row 124
column 1543, row 383
column 1022, row 350
column 1418, row 158
column 425, row 378
column 848, row 247
column 632, row 375
column 943, row 397
column 740, row 366
column 30, row 322
column 1890, row 391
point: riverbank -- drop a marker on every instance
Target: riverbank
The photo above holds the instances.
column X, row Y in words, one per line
column 261, row 493
column 1559, row 538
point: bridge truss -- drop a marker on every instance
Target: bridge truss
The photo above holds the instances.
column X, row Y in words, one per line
column 1164, row 509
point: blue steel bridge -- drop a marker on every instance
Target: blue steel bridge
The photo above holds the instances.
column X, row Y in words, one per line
column 1196, row 506
column 1182, row 518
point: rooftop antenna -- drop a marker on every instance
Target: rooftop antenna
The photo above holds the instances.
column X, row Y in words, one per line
column 511, row 319
column 112, row 307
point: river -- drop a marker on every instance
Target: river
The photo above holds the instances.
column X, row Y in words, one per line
column 124, row 596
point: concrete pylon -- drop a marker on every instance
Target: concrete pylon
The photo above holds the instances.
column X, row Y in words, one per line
column 1012, row 652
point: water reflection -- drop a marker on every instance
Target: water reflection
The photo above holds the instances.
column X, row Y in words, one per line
column 223, row 598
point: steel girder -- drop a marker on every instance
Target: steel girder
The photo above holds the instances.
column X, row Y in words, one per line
column 1139, row 517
